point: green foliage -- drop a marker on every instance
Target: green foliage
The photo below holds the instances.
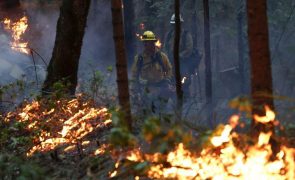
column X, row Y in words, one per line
column 12, row 90
column 242, row 104
column 96, row 82
column 110, row 69
column 120, row 134
column 60, row 89
column 12, row 167
column 122, row 138
column 151, row 128
column 99, row 86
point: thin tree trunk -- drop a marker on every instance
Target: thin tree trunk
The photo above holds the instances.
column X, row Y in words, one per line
column 179, row 92
column 207, row 47
column 64, row 63
column 261, row 78
column 122, row 74
column 129, row 15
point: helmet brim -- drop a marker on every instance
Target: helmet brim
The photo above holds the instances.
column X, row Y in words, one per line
column 149, row 40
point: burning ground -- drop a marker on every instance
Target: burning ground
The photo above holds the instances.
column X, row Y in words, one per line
column 225, row 154
column 61, row 130
column 73, row 138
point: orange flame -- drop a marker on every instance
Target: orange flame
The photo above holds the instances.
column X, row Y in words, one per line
column 225, row 160
column 17, row 29
column 269, row 117
column 68, row 124
column 138, row 36
column 158, row 44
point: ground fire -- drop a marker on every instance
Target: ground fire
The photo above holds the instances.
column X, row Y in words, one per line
column 17, row 30
column 228, row 156
column 67, row 124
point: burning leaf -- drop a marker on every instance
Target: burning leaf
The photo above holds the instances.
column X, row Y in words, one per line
column 67, row 124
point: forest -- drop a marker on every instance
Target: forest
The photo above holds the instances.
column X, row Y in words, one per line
column 147, row 89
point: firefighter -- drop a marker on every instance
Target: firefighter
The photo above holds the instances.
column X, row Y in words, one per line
column 187, row 53
column 151, row 72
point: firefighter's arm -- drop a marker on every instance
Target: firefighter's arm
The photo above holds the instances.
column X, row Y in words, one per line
column 134, row 69
column 165, row 46
column 134, row 74
column 188, row 49
column 167, row 65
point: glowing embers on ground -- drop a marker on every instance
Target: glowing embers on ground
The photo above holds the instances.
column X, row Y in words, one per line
column 229, row 156
column 17, row 30
column 66, row 124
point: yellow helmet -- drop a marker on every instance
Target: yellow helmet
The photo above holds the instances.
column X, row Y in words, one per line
column 148, row 36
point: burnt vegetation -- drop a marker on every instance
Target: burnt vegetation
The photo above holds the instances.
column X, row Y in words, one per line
column 146, row 89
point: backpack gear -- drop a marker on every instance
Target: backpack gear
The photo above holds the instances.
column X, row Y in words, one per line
column 157, row 58
column 194, row 59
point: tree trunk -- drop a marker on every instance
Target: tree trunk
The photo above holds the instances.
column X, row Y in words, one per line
column 9, row 4
column 207, row 52
column 129, row 30
column 261, row 78
column 122, row 74
column 64, row 63
column 179, row 92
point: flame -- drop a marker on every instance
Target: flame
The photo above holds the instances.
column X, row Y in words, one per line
column 101, row 150
column 158, row 44
column 269, row 117
column 17, row 30
column 67, row 124
column 223, row 160
column 138, row 36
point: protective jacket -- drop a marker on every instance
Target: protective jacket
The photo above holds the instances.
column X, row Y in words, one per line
column 151, row 69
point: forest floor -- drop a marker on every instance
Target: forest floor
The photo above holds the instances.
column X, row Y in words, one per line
column 70, row 139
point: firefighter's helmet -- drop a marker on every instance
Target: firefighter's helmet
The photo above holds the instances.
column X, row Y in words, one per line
column 172, row 20
column 148, row 36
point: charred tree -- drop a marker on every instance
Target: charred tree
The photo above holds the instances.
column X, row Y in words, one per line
column 261, row 78
column 121, row 65
column 129, row 15
column 63, row 66
column 208, row 84
column 176, row 47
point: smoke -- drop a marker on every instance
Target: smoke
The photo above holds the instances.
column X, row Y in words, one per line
column 97, row 51
column 98, row 45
